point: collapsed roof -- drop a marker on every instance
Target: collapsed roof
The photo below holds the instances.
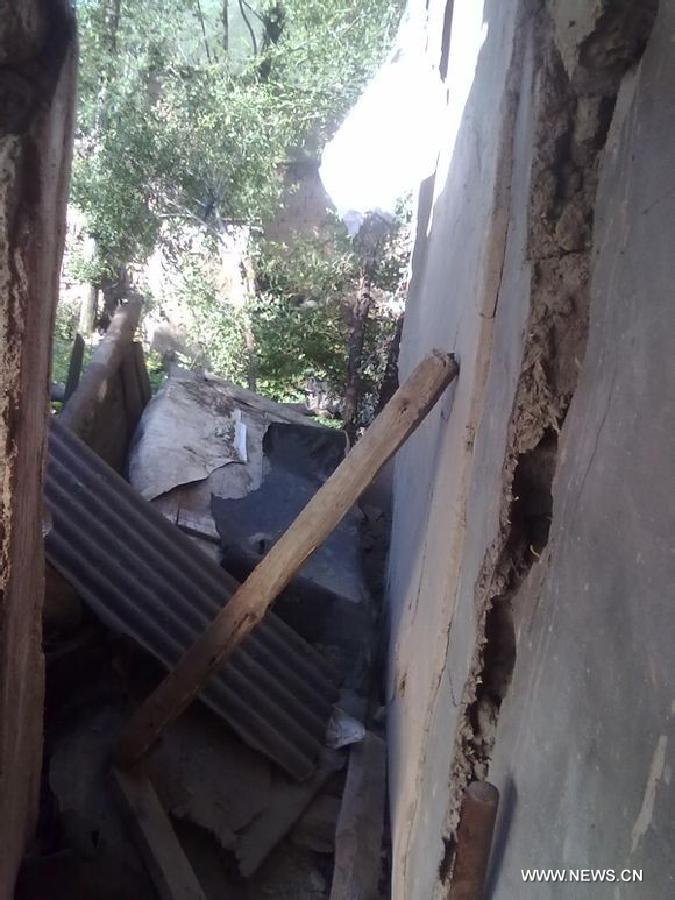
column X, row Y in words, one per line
column 143, row 578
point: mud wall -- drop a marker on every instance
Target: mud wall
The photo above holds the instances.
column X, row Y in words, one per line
column 520, row 241
column 584, row 748
column 37, row 84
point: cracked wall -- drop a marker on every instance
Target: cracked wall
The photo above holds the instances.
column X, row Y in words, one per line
column 466, row 552
column 37, row 86
column 584, row 742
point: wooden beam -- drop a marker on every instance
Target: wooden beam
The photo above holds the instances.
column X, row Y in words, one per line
column 104, row 364
column 131, row 389
column 165, row 859
column 360, row 825
column 404, row 412
column 74, row 366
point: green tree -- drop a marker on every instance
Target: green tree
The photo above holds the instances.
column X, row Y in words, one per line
column 171, row 130
column 188, row 110
column 298, row 317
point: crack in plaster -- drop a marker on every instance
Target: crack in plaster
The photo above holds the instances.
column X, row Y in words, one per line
column 562, row 197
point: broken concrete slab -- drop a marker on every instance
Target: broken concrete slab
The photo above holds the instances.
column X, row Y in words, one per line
column 188, row 431
column 297, row 460
column 202, row 775
column 287, row 802
column 205, row 776
column 291, row 872
column 315, row 829
column 202, row 436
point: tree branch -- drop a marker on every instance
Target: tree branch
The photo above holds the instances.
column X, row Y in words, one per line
column 201, row 22
column 253, row 10
column 226, row 26
column 249, row 26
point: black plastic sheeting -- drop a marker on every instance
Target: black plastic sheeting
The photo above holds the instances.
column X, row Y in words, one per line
column 144, row 578
column 297, row 460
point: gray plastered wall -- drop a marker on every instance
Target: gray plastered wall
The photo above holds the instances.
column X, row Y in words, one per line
column 540, row 487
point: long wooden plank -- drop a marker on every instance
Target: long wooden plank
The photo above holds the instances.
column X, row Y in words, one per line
column 131, row 389
column 74, row 366
column 401, row 416
column 165, row 859
column 104, row 364
column 360, row 826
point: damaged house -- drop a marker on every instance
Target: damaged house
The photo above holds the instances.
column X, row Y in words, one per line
column 215, row 474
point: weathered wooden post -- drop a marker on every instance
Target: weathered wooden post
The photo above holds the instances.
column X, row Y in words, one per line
column 37, row 90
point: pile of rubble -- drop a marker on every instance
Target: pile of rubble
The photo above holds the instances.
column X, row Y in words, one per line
column 263, row 793
column 171, row 526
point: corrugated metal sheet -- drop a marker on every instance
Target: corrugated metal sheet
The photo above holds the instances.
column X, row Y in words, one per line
column 143, row 577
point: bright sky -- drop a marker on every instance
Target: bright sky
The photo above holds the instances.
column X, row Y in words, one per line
column 389, row 142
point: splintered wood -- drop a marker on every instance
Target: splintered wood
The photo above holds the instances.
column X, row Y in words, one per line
column 400, row 417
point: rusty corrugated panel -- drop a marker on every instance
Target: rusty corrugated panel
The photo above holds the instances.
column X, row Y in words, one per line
column 143, row 577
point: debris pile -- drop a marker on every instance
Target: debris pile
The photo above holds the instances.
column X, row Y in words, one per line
column 274, row 783
column 216, row 474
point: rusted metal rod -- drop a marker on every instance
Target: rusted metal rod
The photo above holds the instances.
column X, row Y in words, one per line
column 401, row 416
column 474, row 838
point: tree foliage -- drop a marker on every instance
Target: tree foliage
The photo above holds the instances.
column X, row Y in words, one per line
column 185, row 122
column 171, row 127
column 298, row 318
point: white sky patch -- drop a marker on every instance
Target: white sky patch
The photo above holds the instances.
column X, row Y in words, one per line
column 390, row 140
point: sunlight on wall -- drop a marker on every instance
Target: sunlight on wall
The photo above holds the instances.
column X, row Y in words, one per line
column 468, row 36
